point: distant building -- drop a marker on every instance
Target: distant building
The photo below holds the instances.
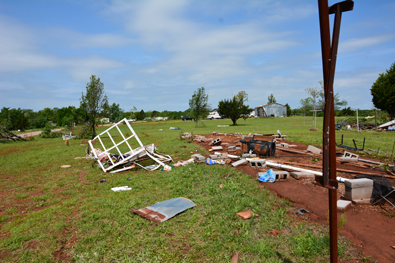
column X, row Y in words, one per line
column 105, row 120
column 271, row 110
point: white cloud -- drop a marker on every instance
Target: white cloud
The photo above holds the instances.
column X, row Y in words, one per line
column 363, row 42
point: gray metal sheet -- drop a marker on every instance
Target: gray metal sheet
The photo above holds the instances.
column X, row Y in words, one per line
column 165, row 210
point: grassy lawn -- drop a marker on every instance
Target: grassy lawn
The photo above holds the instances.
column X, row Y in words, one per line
column 49, row 214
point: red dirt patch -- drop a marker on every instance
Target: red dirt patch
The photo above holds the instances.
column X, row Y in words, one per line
column 6, row 152
column 366, row 226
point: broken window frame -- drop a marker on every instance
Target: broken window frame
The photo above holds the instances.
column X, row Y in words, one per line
column 133, row 153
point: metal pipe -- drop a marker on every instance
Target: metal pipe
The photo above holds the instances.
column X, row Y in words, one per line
column 284, row 166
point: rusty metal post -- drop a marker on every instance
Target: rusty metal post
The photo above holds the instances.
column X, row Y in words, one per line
column 329, row 56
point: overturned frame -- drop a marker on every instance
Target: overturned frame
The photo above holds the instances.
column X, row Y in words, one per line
column 133, row 155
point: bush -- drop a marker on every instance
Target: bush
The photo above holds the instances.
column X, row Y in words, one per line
column 46, row 133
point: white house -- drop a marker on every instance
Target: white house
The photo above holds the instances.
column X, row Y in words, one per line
column 271, row 110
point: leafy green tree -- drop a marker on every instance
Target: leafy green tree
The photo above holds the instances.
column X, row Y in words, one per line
column 115, row 112
column 106, row 108
column 199, row 105
column 234, row 108
column 141, row 115
column 306, row 106
column 336, row 98
column 289, row 111
column 383, row 91
column 92, row 102
column 271, row 99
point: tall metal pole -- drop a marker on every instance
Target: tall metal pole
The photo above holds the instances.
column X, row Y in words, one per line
column 329, row 56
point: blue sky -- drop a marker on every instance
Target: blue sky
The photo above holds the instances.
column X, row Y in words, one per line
column 154, row 54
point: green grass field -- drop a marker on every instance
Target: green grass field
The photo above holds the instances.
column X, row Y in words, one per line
column 51, row 214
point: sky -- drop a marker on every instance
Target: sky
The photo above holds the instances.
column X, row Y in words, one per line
column 153, row 55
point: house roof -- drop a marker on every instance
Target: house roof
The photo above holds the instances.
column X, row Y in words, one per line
column 268, row 104
column 387, row 124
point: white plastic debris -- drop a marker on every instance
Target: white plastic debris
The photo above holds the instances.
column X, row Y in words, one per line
column 121, row 188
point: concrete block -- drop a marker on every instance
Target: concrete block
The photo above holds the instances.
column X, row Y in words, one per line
column 231, row 148
column 281, row 175
column 285, row 145
column 248, row 155
column 215, row 142
column 198, row 158
column 292, row 146
column 349, row 160
column 238, row 148
column 302, row 175
column 215, row 132
column 217, row 148
column 358, row 189
column 237, row 133
column 350, row 155
column 313, row 149
column 220, row 133
column 225, row 143
column 239, row 162
column 260, row 163
column 219, row 156
column 359, row 183
column 343, row 205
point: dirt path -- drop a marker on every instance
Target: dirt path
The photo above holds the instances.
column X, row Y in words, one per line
column 371, row 232
column 35, row 133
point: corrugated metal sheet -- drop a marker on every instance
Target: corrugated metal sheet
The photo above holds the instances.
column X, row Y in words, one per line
column 165, row 210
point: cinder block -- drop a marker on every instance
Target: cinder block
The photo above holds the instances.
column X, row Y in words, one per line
column 219, row 156
column 350, row 155
column 238, row 133
column 281, row 175
column 358, row 189
column 239, row 162
column 217, row 148
column 198, row 158
column 238, row 148
column 231, row 148
column 349, row 160
column 302, row 175
column 343, row 205
column 215, row 132
column 285, row 145
column 215, row 142
column 248, row 155
column 258, row 163
column 313, row 149
column 225, row 143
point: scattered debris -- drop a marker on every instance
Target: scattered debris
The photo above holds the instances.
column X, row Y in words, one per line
column 65, row 166
column 274, row 232
column 102, row 180
column 235, row 257
column 240, row 162
column 211, row 162
column 314, row 149
column 220, row 186
column 259, row 147
column 217, row 148
column 183, row 163
column 164, row 210
column 174, row 128
column 247, row 214
column 301, row 211
column 121, row 188
column 267, row 177
column 222, row 125
column 351, row 148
